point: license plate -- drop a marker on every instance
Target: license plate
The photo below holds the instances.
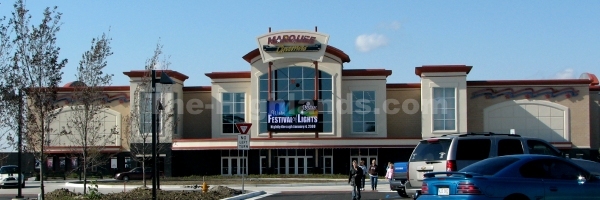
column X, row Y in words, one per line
column 443, row 191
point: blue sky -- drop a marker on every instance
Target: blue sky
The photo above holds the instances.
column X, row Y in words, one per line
column 500, row 39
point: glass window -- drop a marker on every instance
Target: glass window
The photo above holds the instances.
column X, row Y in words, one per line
column 428, row 150
column 145, row 108
column 564, row 171
column 363, row 111
column 233, row 111
column 473, row 149
column 509, row 147
column 444, row 109
column 538, row 147
column 295, row 83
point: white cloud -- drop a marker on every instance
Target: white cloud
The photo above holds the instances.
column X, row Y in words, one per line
column 565, row 74
column 365, row 43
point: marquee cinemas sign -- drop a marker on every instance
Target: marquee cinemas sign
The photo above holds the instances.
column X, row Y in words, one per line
column 292, row 116
column 292, row 44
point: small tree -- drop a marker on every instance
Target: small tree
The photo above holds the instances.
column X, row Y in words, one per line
column 139, row 120
column 35, row 68
column 86, row 129
column 7, row 124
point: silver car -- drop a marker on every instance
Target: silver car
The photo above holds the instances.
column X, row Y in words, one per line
column 456, row 151
column 9, row 176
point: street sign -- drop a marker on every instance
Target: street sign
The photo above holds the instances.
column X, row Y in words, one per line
column 243, row 142
column 243, row 128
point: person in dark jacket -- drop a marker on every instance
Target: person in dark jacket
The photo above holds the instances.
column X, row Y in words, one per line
column 373, row 174
column 355, row 180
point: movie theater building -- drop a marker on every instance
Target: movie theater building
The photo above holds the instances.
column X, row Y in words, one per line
column 310, row 115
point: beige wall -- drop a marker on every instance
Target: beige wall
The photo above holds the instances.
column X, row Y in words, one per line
column 350, row 84
column 404, row 120
column 595, row 119
column 197, row 122
column 429, row 81
column 579, row 126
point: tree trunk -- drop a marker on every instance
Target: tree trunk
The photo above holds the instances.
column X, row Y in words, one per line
column 42, row 169
column 84, row 171
column 144, row 162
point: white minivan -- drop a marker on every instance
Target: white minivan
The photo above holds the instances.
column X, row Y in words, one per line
column 456, row 151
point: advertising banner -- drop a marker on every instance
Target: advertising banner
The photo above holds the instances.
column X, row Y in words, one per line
column 293, row 116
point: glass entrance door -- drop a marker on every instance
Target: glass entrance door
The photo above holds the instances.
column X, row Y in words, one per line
column 233, row 166
column 293, row 164
column 327, row 164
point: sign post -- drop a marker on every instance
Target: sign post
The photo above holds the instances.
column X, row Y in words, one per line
column 243, row 144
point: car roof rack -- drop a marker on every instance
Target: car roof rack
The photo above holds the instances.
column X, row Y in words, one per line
column 487, row 134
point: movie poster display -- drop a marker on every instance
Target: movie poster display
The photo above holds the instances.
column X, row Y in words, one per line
column 293, row 116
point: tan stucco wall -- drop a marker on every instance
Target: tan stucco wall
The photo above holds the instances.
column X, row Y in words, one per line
column 595, row 119
column 197, row 121
column 578, row 108
column 401, row 124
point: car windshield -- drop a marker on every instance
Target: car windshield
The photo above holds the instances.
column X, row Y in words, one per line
column 8, row 170
column 432, row 149
column 490, row 166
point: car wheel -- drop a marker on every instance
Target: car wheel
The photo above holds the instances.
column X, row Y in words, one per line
column 516, row 197
column 126, row 178
column 402, row 193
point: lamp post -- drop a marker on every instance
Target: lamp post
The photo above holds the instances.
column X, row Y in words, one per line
column 164, row 79
column 10, row 95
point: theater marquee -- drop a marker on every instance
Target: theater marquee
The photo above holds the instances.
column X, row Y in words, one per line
column 292, row 44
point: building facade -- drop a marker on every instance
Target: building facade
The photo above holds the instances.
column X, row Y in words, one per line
column 310, row 115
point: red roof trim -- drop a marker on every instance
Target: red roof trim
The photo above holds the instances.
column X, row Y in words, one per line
column 330, row 49
column 594, row 78
column 296, row 147
column 442, row 68
column 366, row 72
column 146, row 73
column 594, row 88
column 403, row 85
column 104, row 88
column 197, row 88
column 530, row 82
column 286, row 139
column 220, row 75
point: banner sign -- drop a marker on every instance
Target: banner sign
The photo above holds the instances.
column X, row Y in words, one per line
column 292, row 44
column 293, row 116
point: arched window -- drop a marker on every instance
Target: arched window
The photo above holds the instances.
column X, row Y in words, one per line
column 297, row 83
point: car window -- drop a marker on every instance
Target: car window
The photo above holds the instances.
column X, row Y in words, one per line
column 8, row 170
column 539, row 147
column 564, row 171
column 433, row 149
column 473, row 149
column 490, row 166
column 534, row 169
column 509, row 147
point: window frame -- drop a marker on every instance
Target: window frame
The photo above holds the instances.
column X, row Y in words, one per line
column 445, row 108
column 233, row 109
column 363, row 113
column 142, row 108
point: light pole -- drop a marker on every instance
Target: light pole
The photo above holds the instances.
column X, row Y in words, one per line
column 10, row 95
column 164, row 79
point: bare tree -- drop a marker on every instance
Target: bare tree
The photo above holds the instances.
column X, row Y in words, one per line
column 8, row 124
column 86, row 129
column 35, row 68
column 139, row 120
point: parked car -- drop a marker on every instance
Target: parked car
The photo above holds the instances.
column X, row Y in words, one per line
column 513, row 177
column 135, row 173
column 9, row 176
column 397, row 183
column 449, row 153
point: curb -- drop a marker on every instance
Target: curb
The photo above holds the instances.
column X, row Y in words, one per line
column 121, row 186
column 246, row 196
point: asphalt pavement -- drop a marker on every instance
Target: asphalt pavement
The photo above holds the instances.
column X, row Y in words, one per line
column 300, row 191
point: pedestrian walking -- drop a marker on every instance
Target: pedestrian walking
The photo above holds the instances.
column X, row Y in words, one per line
column 364, row 169
column 373, row 174
column 354, row 180
column 389, row 174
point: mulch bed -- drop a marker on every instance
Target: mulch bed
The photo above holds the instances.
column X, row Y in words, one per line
column 214, row 193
